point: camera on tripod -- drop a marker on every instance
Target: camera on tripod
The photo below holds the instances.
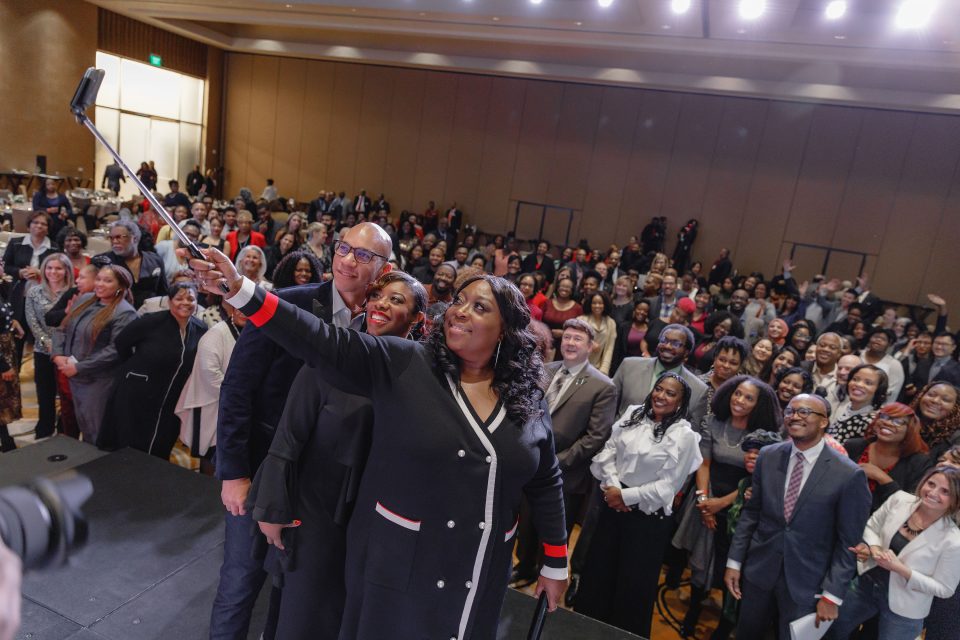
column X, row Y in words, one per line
column 41, row 521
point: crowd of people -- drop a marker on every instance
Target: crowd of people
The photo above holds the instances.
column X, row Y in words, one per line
column 795, row 445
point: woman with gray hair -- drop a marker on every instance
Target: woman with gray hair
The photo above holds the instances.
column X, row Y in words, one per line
column 252, row 262
column 56, row 276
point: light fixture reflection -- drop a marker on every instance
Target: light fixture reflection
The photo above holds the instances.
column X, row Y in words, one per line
column 752, row 9
column 680, row 6
column 836, row 9
column 915, row 14
column 604, row 3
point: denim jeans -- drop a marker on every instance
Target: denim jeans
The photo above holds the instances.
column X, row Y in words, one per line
column 241, row 578
column 868, row 596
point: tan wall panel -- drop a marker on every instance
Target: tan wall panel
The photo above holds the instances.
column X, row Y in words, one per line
column 345, row 129
column 537, row 142
column 826, row 166
column 573, row 150
column 403, row 139
column 466, row 144
column 291, row 88
column 730, row 178
column 239, row 79
column 650, row 162
column 501, row 137
column 941, row 268
column 262, row 128
column 213, row 110
column 318, row 98
column 872, row 184
column 436, row 128
column 374, row 124
column 616, row 123
column 772, row 185
column 916, row 217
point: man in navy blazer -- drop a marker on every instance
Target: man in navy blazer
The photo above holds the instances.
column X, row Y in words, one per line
column 790, row 554
column 252, row 398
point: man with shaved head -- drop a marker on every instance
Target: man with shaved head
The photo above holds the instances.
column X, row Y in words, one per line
column 252, row 397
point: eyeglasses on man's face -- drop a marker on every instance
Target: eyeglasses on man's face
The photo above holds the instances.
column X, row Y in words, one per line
column 803, row 412
column 363, row 256
column 676, row 344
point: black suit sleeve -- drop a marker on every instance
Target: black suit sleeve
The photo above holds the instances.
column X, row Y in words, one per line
column 544, row 493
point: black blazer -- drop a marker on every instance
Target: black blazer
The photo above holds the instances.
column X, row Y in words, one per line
column 529, row 265
column 18, row 255
column 905, row 474
column 256, row 385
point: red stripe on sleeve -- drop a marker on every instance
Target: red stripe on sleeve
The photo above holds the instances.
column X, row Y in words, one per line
column 555, row 550
column 266, row 311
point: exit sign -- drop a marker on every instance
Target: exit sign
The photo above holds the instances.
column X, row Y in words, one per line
column 156, row 60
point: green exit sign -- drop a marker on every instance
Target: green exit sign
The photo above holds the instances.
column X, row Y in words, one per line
column 156, row 60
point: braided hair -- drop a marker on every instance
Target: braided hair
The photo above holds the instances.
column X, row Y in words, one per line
column 645, row 410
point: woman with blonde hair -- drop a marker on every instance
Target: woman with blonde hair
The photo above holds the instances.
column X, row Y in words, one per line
column 86, row 351
column 56, row 276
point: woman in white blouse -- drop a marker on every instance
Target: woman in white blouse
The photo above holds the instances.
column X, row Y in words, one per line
column 910, row 554
column 649, row 455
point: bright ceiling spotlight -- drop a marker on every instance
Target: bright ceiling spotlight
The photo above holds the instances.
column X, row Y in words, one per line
column 915, row 14
column 752, row 9
column 536, row 1
column 604, row 3
column 680, row 6
column 836, row 9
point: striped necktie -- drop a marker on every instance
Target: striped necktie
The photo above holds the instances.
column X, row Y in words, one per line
column 793, row 488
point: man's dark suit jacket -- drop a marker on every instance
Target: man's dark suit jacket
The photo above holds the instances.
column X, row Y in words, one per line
column 256, row 385
column 812, row 549
column 582, row 421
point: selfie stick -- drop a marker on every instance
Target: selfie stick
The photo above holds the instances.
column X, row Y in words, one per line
column 85, row 96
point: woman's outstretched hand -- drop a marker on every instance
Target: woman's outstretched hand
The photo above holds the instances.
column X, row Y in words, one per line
column 213, row 271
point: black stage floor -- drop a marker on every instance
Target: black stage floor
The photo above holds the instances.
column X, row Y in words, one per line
column 150, row 568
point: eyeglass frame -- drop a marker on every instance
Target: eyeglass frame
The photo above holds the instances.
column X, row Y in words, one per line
column 789, row 412
column 676, row 344
column 357, row 256
column 902, row 421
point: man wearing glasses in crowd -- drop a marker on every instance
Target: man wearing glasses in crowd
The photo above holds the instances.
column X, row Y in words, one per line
column 790, row 553
column 146, row 267
column 252, row 398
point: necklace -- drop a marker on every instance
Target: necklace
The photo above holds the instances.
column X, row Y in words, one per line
column 911, row 530
column 726, row 438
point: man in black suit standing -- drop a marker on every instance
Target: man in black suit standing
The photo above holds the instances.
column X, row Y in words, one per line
column 791, row 554
column 362, row 204
column 253, row 395
column 582, row 403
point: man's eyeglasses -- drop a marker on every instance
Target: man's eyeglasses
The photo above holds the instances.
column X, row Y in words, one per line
column 119, row 236
column 676, row 344
column 363, row 256
column 803, row 412
column 900, row 422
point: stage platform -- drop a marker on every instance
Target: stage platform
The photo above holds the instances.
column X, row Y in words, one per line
column 150, row 568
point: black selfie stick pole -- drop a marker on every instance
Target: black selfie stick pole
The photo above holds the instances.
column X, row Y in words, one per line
column 539, row 618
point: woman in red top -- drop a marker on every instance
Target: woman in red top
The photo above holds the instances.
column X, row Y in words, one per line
column 535, row 300
column 244, row 236
column 560, row 308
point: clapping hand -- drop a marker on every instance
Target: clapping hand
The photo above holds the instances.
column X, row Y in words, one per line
column 614, row 498
column 862, row 550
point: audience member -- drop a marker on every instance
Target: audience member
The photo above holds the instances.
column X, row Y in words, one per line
column 175, row 198
column 879, row 342
column 630, row 335
column 252, row 263
column 604, row 328
column 297, row 268
column 763, row 353
column 865, row 394
column 728, row 356
column 792, row 382
column 560, row 308
column 938, row 409
column 10, row 402
column 55, row 204
column 144, row 268
column 244, row 235
column 73, row 241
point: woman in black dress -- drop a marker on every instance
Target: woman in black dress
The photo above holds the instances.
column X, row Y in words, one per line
column 158, row 350
column 459, row 435
column 309, row 480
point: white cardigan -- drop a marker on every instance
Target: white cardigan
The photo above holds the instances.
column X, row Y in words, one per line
column 202, row 389
column 933, row 556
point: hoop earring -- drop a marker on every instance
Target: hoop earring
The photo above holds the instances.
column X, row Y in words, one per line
column 496, row 358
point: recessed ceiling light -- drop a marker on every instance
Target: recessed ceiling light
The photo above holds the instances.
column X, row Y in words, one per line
column 680, row 6
column 915, row 14
column 752, row 9
column 665, row 27
column 495, row 19
column 836, row 9
column 536, row 1
column 838, row 37
column 422, row 14
column 288, row 6
column 578, row 23
column 604, row 3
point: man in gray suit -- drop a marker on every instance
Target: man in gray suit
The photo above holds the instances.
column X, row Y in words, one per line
column 635, row 377
column 582, row 403
column 809, row 507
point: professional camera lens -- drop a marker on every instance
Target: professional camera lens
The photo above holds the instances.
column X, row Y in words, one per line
column 41, row 521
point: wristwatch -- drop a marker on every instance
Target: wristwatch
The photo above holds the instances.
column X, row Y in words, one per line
column 701, row 497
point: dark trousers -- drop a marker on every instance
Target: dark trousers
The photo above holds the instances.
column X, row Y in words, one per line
column 760, row 607
column 588, row 524
column 621, row 575
column 241, row 578
column 528, row 548
column 45, row 377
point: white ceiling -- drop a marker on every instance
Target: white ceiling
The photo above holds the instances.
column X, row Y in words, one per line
column 791, row 52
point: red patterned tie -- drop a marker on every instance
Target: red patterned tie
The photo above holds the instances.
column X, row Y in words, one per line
column 793, row 488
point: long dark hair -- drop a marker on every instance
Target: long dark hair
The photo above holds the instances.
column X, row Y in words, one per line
column 645, row 410
column 283, row 272
column 765, row 415
column 517, row 364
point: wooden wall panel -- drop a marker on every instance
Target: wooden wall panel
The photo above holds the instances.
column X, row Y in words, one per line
column 941, row 269
column 345, row 130
column 239, row 79
column 773, row 183
column 137, row 40
column 872, row 184
column 826, row 166
column 501, row 139
column 291, row 89
column 466, row 143
column 730, row 177
column 436, row 129
column 318, row 98
column 537, row 142
column 262, row 127
column 403, row 139
column 375, row 110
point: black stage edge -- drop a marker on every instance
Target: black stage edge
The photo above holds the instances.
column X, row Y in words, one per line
column 150, row 568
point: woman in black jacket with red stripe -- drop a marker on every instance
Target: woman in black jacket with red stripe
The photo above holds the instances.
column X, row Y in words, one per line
column 459, row 436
